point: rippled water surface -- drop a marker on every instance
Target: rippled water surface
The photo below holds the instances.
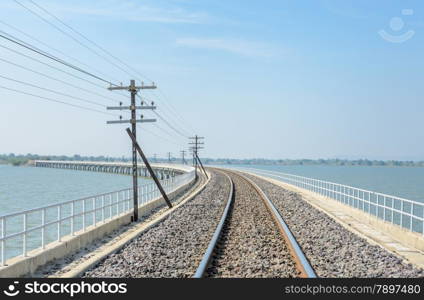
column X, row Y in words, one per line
column 406, row 182
column 23, row 188
column 29, row 187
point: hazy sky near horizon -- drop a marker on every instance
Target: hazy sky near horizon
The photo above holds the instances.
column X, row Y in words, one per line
column 270, row 79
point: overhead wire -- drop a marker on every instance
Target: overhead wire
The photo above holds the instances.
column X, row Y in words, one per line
column 169, row 125
column 54, row 100
column 171, row 108
column 164, row 131
column 54, row 49
column 172, row 121
column 90, row 41
column 64, row 32
column 55, row 68
column 56, row 79
column 52, row 57
column 159, row 136
column 52, row 91
column 63, row 62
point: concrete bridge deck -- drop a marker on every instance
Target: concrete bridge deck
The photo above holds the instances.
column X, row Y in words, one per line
column 163, row 171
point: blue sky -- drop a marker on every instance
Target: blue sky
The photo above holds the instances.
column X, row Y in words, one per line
column 271, row 79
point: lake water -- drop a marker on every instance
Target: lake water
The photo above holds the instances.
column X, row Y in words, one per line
column 23, row 188
column 406, row 182
column 29, row 187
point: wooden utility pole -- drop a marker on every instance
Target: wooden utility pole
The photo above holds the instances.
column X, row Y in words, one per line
column 201, row 165
column 195, row 147
column 133, row 89
column 183, row 152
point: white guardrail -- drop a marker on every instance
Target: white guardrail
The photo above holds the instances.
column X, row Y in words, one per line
column 32, row 229
column 406, row 213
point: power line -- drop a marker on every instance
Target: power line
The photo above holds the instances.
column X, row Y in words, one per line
column 55, row 79
column 54, row 100
column 161, row 137
column 174, row 122
column 91, row 41
column 55, row 68
column 45, row 54
column 52, row 48
column 165, row 131
column 75, row 39
column 171, row 108
column 99, row 47
column 65, row 33
column 52, row 91
column 171, row 113
column 169, row 125
column 181, row 131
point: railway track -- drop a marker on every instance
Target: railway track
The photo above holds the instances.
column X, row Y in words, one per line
column 172, row 247
column 251, row 238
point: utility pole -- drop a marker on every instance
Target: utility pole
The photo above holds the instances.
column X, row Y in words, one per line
column 195, row 147
column 155, row 158
column 169, row 157
column 183, row 152
column 201, row 165
column 133, row 89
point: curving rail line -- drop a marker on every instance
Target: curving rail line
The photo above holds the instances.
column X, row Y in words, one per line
column 302, row 263
column 209, row 251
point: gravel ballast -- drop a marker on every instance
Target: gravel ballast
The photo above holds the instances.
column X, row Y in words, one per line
column 67, row 264
column 175, row 246
column 332, row 250
column 250, row 244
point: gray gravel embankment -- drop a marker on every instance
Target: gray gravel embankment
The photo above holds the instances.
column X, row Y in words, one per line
column 61, row 266
column 175, row 246
column 333, row 250
column 251, row 244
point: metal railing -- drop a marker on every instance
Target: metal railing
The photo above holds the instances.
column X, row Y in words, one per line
column 32, row 229
column 406, row 213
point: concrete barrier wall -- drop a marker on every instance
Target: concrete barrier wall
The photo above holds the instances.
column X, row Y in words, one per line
column 407, row 237
column 20, row 266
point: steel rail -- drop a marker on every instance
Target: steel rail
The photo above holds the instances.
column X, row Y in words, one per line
column 302, row 263
column 209, row 251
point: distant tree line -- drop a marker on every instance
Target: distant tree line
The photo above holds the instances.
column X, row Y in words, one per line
column 23, row 159
column 312, row 162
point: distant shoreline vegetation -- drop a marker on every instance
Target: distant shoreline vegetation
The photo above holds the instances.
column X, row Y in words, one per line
column 19, row 159
column 25, row 159
column 316, row 162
